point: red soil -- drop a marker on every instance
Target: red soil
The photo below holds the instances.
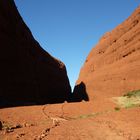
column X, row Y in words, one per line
column 75, row 121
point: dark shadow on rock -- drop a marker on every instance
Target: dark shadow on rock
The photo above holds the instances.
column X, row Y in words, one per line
column 79, row 93
column 15, row 95
column 28, row 74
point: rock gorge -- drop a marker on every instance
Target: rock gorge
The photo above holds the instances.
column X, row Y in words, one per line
column 28, row 74
column 112, row 68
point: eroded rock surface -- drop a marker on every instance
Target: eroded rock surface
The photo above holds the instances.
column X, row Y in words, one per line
column 113, row 66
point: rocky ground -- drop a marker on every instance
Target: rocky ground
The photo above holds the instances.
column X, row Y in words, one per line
column 71, row 121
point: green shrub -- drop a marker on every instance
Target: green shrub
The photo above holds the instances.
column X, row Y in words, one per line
column 134, row 93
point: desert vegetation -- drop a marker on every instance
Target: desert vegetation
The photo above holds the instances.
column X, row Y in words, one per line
column 128, row 100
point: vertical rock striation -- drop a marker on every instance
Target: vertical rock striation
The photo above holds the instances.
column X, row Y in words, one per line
column 113, row 66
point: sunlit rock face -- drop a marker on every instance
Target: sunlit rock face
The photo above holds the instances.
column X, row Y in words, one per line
column 113, row 66
column 28, row 74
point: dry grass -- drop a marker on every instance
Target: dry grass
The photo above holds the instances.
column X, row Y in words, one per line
column 131, row 99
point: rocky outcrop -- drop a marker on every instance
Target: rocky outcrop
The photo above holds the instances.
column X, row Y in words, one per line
column 28, row 74
column 113, row 66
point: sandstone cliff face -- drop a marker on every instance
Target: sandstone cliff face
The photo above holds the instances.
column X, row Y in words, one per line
column 113, row 65
column 27, row 73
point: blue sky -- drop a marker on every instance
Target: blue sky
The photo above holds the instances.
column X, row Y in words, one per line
column 68, row 29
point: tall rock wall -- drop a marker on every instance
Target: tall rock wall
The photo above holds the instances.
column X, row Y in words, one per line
column 28, row 74
column 113, row 66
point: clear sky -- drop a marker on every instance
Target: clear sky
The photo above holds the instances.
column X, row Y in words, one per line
column 68, row 29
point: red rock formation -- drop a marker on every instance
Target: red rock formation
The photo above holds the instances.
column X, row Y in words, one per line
column 27, row 73
column 113, row 66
